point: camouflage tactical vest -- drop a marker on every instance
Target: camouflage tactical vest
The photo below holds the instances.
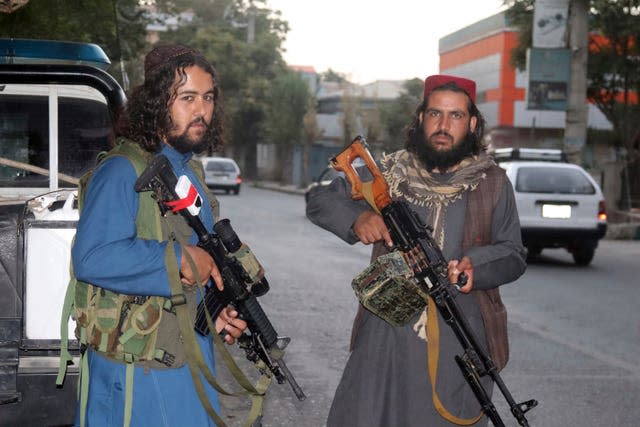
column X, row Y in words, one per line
column 136, row 329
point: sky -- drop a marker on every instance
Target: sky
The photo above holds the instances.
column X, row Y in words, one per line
column 369, row 40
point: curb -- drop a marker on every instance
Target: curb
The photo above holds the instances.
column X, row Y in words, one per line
column 274, row 186
column 623, row 231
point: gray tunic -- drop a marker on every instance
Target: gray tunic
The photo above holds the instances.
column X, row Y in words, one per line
column 385, row 382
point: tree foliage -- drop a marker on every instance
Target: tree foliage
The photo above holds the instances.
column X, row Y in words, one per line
column 288, row 97
column 333, row 76
column 520, row 15
column 351, row 113
column 90, row 21
column 613, row 64
column 247, row 66
column 397, row 115
column 242, row 38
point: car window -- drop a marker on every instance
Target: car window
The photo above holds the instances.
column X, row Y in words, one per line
column 24, row 133
column 329, row 174
column 553, row 180
column 84, row 130
column 213, row 166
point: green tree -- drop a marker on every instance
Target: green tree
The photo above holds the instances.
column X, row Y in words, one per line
column 351, row 113
column 333, row 76
column 373, row 127
column 310, row 134
column 614, row 65
column 247, row 65
column 242, row 38
column 520, row 15
column 91, row 21
column 397, row 115
column 612, row 71
column 284, row 126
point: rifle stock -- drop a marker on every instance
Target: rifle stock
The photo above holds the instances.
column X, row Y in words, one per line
column 413, row 238
column 344, row 162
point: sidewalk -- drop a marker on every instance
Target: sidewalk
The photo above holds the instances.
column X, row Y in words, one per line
column 276, row 186
column 615, row 231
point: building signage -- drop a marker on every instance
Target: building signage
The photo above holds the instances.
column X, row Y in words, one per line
column 549, row 71
column 550, row 23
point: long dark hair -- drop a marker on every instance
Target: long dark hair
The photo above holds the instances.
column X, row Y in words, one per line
column 415, row 133
column 146, row 119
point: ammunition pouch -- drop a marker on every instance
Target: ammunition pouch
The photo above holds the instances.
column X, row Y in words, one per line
column 389, row 289
column 130, row 329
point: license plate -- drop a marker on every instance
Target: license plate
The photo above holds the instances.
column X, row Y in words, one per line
column 556, row 211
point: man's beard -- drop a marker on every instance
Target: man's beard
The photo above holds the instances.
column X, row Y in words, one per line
column 184, row 144
column 442, row 160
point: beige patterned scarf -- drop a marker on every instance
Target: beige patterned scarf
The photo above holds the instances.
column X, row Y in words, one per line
column 410, row 180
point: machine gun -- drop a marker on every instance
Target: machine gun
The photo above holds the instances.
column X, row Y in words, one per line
column 242, row 275
column 429, row 269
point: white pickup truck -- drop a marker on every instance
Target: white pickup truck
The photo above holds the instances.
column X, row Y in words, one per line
column 57, row 105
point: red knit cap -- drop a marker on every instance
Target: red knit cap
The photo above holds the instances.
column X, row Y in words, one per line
column 160, row 55
column 435, row 81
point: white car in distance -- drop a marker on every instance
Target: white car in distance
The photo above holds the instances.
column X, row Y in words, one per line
column 222, row 173
column 559, row 204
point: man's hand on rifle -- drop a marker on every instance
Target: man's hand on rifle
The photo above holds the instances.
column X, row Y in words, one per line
column 455, row 268
column 205, row 265
column 229, row 322
column 370, row 228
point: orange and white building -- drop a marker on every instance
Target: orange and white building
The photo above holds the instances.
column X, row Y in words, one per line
column 481, row 52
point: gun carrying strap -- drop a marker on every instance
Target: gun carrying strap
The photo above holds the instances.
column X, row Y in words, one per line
column 195, row 360
column 65, row 354
column 433, row 352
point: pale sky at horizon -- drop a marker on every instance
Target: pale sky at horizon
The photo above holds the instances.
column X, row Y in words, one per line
column 369, row 40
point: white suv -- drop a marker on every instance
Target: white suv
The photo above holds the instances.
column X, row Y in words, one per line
column 559, row 203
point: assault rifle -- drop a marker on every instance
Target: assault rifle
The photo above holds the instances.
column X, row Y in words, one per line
column 411, row 236
column 242, row 276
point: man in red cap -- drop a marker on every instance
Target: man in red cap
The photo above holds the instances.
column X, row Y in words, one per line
column 138, row 270
column 448, row 179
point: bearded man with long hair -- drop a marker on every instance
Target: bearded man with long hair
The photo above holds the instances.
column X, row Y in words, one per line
column 138, row 270
column 450, row 182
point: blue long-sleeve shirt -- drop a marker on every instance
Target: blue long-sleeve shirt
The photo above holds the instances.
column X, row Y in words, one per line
column 107, row 251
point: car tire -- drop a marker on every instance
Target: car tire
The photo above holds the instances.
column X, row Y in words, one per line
column 583, row 256
column 533, row 251
column 236, row 190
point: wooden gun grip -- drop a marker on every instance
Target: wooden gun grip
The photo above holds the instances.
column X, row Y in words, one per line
column 344, row 162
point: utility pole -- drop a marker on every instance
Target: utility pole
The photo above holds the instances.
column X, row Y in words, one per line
column 575, row 132
column 251, row 24
column 123, row 71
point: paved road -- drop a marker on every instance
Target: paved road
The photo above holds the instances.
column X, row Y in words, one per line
column 575, row 337
column 574, row 332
